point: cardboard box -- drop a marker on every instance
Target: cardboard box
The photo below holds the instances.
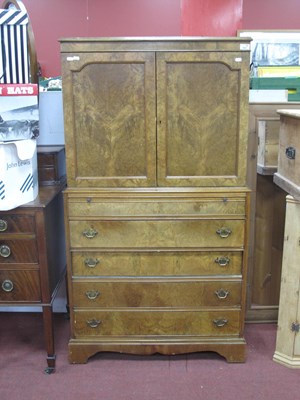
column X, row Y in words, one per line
column 19, row 113
column 18, row 173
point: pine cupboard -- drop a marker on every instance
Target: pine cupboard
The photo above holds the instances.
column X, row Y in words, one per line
column 287, row 350
column 157, row 205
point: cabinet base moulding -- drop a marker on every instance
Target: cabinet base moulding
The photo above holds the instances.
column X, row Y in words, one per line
column 283, row 359
column 232, row 349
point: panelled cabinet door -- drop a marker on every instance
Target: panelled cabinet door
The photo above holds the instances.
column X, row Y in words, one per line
column 109, row 111
column 202, row 118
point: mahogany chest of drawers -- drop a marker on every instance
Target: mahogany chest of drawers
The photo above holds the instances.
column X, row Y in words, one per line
column 32, row 257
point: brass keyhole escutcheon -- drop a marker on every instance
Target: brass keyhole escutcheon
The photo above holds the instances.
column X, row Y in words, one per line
column 5, row 251
column 7, row 285
column 290, row 152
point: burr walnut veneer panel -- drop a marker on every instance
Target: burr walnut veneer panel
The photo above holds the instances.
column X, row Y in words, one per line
column 157, row 204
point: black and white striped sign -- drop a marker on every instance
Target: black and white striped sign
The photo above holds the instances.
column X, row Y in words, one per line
column 14, row 60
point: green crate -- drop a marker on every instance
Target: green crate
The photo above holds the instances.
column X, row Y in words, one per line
column 291, row 84
column 275, row 83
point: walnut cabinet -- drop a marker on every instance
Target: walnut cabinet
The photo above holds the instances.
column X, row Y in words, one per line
column 157, row 205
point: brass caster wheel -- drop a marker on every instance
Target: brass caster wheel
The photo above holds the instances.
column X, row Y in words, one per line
column 49, row 370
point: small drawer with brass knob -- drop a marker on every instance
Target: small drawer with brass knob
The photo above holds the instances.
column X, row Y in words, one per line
column 18, row 251
column 10, row 223
column 19, row 286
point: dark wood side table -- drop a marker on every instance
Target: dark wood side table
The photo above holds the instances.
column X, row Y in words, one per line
column 32, row 257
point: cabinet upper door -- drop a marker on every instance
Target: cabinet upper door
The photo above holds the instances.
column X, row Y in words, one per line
column 202, row 104
column 110, row 121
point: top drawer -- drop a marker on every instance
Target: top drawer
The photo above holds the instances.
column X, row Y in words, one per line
column 10, row 223
column 128, row 205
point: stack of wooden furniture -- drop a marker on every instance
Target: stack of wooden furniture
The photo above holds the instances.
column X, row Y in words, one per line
column 288, row 178
column 268, row 211
column 157, row 204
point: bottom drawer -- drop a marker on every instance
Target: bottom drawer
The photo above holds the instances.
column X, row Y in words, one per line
column 155, row 322
column 19, row 286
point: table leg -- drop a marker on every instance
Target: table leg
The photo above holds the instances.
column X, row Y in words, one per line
column 49, row 338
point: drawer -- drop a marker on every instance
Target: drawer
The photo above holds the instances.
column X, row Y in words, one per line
column 93, row 207
column 156, row 263
column 289, row 147
column 18, row 251
column 51, row 164
column 268, row 144
column 156, row 293
column 157, row 234
column 47, row 174
column 142, row 323
column 19, row 286
column 18, row 223
column 46, row 159
column 288, row 175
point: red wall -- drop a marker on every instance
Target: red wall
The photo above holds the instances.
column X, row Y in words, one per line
column 54, row 19
column 211, row 18
column 271, row 14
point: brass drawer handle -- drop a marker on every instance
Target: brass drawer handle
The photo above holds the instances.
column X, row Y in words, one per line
column 3, row 225
column 90, row 233
column 4, row 251
column 290, row 152
column 91, row 262
column 220, row 322
column 222, row 261
column 223, row 232
column 222, row 293
column 93, row 323
column 92, row 294
column 7, row 285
